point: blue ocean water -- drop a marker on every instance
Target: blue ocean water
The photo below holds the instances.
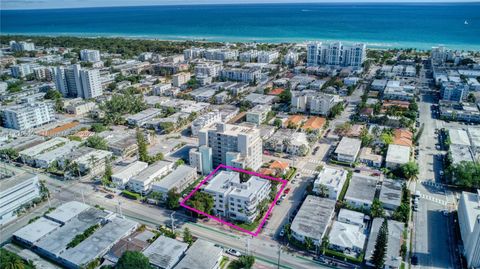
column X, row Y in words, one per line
column 379, row 25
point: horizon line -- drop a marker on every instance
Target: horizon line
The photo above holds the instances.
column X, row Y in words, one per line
column 407, row 2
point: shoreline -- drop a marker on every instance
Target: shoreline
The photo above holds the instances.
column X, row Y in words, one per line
column 232, row 39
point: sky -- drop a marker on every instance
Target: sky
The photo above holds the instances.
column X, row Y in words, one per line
column 46, row 4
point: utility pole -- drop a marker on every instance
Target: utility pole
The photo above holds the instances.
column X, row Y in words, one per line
column 83, row 198
column 172, row 219
column 279, row 251
column 248, row 246
column 120, row 208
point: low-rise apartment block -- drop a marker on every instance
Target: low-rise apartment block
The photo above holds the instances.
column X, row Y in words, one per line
column 236, row 200
column 329, row 182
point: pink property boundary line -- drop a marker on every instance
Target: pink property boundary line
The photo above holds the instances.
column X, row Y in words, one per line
column 259, row 228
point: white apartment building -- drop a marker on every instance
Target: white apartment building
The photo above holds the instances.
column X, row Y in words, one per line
column 240, row 74
column 236, row 200
column 469, row 222
column 208, row 69
column 43, row 73
column 142, row 182
column 312, row 102
column 193, row 53
column 122, row 177
column 205, row 120
column 16, row 191
column 336, row 54
column 67, row 80
column 181, row 78
column 179, row 180
column 267, row 56
column 220, row 54
column 74, row 81
column 347, row 150
column 248, row 56
column 330, row 182
column 28, row 116
column 237, row 146
column 258, row 114
column 142, row 117
column 290, row 58
column 21, row 46
column 201, row 158
column 91, row 85
column 161, row 89
column 21, row 70
column 90, row 55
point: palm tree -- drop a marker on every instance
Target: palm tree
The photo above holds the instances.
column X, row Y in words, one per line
column 91, row 161
column 308, row 243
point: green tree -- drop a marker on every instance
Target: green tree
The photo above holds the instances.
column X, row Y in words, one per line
column 133, row 260
column 52, row 94
column 172, row 199
column 366, row 138
column 410, row 170
column 277, row 123
column 142, row 147
column 309, row 243
column 97, row 142
column 244, row 262
column 380, row 250
column 201, row 201
column 466, row 174
column 376, row 210
column 98, row 128
column 10, row 153
column 336, row 110
column 108, row 171
column 187, row 236
column 285, row 96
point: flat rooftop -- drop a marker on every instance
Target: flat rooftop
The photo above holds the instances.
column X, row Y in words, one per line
column 67, row 211
column 100, row 242
column 361, row 187
column 391, row 192
column 175, row 177
column 348, row 146
column 36, row 230
column 201, row 255
column 313, row 217
column 56, row 242
column 165, row 252
column 16, row 180
column 398, row 154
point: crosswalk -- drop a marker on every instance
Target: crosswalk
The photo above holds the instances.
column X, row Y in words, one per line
column 315, row 161
column 308, row 171
column 433, row 199
column 433, row 184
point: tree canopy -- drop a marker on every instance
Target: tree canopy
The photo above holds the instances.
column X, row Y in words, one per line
column 380, row 250
column 133, row 260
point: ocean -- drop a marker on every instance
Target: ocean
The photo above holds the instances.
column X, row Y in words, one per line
column 421, row 26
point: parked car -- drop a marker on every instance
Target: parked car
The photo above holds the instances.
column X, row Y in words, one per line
column 109, row 196
column 287, row 191
column 234, row 252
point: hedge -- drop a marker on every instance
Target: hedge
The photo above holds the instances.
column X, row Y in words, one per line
column 131, row 195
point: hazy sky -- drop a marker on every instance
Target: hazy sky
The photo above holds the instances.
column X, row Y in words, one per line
column 37, row 4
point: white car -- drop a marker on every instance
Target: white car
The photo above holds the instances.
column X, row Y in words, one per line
column 234, row 252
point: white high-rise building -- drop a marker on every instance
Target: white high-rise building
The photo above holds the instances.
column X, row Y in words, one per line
column 237, row 200
column 21, row 70
column 21, row 46
column 90, row 55
column 336, row 54
column 74, row 81
column 91, row 85
column 469, row 222
column 290, row 58
column 233, row 145
column 27, row 116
